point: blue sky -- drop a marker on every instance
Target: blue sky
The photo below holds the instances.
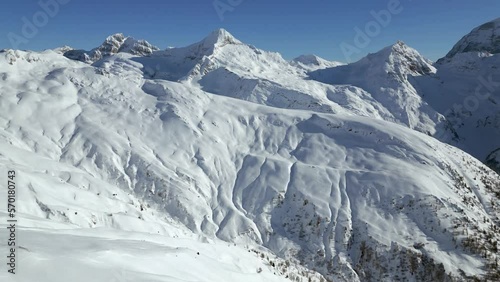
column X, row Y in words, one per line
column 289, row 27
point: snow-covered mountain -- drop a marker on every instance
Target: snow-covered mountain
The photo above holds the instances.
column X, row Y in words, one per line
column 456, row 100
column 312, row 62
column 466, row 90
column 223, row 65
column 387, row 75
column 116, row 43
column 493, row 160
column 484, row 38
column 228, row 159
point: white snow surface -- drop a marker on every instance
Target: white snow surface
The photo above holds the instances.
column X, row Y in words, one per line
column 130, row 165
column 484, row 38
column 116, row 43
column 386, row 75
column 466, row 90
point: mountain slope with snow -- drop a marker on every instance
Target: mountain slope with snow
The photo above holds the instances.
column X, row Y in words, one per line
column 493, row 160
column 116, row 43
column 313, row 62
column 456, row 100
column 348, row 195
column 387, row 76
column 466, row 90
column 223, row 65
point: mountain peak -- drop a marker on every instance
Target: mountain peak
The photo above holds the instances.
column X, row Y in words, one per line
column 399, row 44
column 401, row 60
column 119, row 43
column 308, row 59
column 220, row 37
column 484, row 38
column 113, row 44
column 312, row 62
column 207, row 46
column 400, row 48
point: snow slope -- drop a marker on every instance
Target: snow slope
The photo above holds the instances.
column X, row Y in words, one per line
column 484, row 38
column 247, row 73
column 493, row 160
column 116, row 43
column 110, row 255
column 113, row 147
column 456, row 99
column 466, row 89
column 312, row 62
column 387, row 76
column 73, row 226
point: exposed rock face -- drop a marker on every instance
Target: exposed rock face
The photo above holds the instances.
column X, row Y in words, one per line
column 222, row 141
column 113, row 44
column 312, row 62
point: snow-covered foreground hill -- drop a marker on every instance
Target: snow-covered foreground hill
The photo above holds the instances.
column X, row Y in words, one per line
column 83, row 255
column 132, row 165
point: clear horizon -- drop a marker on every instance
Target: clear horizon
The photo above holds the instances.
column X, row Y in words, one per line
column 334, row 31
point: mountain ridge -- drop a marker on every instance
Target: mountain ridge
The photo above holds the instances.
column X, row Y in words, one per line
column 328, row 174
column 113, row 44
column 484, row 38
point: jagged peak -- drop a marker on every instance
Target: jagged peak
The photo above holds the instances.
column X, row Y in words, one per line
column 493, row 160
column 113, row 44
column 400, row 48
column 309, row 59
column 116, row 37
column 207, row 46
column 137, row 47
column 220, row 37
column 400, row 45
column 396, row 51
column 312, row 62
column 118, row 42
column 400, row 59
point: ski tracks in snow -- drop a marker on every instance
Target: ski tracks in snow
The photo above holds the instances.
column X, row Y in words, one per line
column 339, row 229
